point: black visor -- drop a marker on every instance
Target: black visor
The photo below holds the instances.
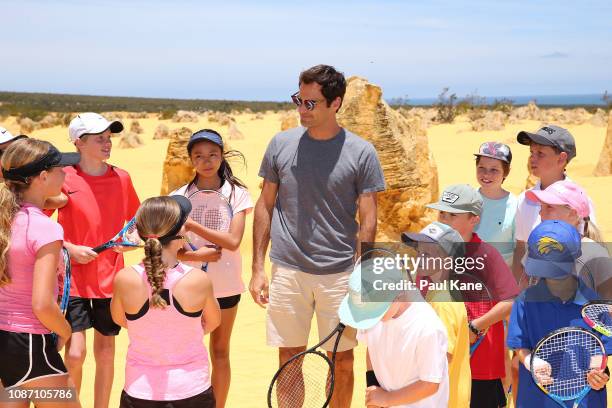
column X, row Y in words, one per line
column 185, row 209
column 53, row 158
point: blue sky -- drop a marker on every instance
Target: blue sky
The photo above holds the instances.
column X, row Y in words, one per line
column 254, row 50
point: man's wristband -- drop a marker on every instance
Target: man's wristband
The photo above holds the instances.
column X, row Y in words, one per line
column 371, row 379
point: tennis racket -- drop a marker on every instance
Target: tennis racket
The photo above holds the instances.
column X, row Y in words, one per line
column 561, row 361
column 598, row 315
column 306, row 379
column 527, row 281
column 584, row 273
column 64, row 276
column 476, row 297
column 126, row 237
column 212, row 210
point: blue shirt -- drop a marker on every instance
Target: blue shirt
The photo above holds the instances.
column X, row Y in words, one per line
column 536, row 313
column 496, row 225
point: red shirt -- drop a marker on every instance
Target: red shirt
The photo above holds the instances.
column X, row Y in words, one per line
column 98, row 207
column 487, row 362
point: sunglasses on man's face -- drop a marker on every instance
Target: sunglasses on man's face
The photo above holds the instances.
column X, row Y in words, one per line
column 308, row 103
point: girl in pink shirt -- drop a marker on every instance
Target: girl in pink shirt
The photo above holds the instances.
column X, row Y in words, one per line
column 30, row 245
column 167, row 307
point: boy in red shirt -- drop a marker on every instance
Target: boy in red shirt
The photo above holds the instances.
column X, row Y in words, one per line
column 101, row 198
column 460, row 207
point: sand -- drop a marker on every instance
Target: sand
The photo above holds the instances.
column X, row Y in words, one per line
column 253, row 362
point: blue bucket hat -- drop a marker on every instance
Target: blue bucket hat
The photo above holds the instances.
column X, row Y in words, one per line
column 553, row 247
column 368, row 297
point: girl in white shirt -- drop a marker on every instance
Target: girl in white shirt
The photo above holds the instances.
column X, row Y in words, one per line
column 213, row 172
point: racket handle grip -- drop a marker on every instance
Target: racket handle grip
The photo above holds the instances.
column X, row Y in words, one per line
column 100, row 248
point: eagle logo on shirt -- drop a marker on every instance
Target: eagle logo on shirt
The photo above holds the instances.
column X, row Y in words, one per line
column 547, row 244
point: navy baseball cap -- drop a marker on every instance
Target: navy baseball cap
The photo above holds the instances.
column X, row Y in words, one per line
column 204, row 135
column 553, row 247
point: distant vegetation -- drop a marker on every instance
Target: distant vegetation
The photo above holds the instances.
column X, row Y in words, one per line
column 449, row 103
column 37, row 105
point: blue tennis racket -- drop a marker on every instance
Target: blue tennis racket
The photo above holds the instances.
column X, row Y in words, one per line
column 64, row 276
column 561, row 361
column 126, row 237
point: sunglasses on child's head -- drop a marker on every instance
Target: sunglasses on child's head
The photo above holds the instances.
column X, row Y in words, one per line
column 310, row 104
column 495, row 149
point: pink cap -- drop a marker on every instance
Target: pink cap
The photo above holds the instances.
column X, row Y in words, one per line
column 563, row 193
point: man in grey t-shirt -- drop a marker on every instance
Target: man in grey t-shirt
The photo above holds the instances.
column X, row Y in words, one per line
column 317, row 178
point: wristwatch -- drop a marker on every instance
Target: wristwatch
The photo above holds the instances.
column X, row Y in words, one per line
column 474, row 329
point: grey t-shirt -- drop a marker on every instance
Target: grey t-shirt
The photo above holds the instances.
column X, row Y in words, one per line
column 313, row 223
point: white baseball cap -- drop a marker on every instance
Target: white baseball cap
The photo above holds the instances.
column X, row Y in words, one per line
column 6, row 136
column 90, row 123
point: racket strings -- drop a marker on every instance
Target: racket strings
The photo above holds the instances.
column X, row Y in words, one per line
column 475, row 295
column 304, row 382
column 570, row 356
column 600, row 314
column 211, row 211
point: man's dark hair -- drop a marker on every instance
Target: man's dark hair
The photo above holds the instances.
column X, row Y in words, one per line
column 333, row 84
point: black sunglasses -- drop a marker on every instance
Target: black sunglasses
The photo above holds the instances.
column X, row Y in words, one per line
column 308, row 103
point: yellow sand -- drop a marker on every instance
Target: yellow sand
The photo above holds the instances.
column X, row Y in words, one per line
column 253, row 362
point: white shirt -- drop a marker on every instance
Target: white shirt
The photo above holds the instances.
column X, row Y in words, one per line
column 226, row 273
column 528, row 214
column 410, row 348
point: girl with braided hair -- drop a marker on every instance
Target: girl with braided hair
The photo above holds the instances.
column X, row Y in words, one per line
column 167, row 307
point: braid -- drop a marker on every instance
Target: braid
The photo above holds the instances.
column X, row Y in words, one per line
column 156, row 271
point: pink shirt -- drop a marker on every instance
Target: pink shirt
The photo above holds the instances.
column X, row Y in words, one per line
column 226, row 273
column 30, row 231
column 166, row 358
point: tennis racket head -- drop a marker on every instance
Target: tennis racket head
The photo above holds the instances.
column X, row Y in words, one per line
column 527, row 281
column 598, row 315
column 64, row 275
column 473, row 292
column 306, row 379
column 565, row 357
column 210, row 209
column 476, row 298
column 128, row 236
column 585, row 274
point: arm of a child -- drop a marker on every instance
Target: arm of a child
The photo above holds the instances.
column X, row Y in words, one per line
column 229, row 240
column 418, row 390
column 211, row 315
column 371, row 381
column 204, row 254
column 116, row 306
column 500, row 311
column 55, row 202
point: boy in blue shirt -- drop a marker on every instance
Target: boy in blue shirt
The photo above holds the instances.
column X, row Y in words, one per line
column 555, row 302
